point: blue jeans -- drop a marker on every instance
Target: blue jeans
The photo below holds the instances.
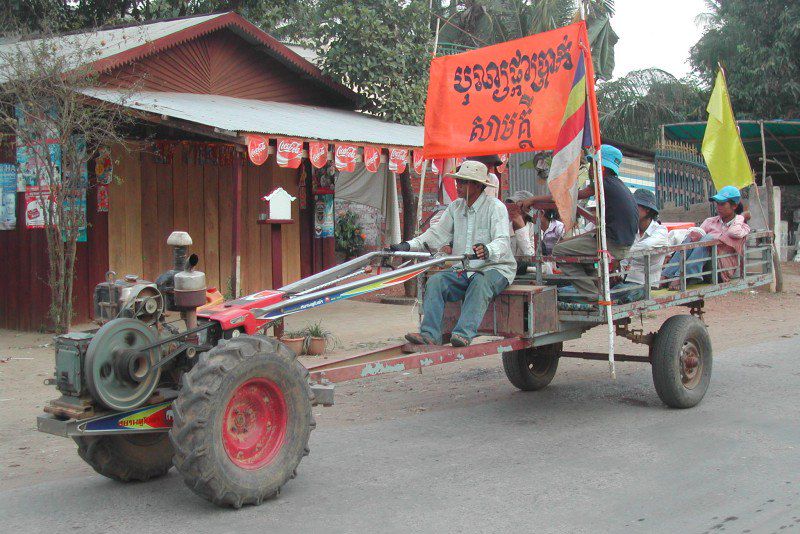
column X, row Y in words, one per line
column 673, row 268
column 450, row 286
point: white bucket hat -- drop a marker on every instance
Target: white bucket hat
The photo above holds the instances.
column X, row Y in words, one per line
column 474, row 171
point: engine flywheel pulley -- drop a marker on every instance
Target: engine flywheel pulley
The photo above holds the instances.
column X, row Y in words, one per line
column 119, row 374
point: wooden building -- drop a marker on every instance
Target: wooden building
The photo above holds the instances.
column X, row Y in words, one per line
column 203, row 85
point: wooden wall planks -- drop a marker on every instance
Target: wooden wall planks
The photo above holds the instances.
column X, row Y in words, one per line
column 24, row 293
column 222, row 63
column 199, row 199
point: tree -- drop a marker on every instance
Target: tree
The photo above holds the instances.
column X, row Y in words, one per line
column 633, row 108
column 475, row 23
column 757, row 43
column 64, row 15
column 380, row 48
column 57, row 129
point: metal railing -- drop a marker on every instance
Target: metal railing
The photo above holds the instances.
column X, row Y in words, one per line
column 754, row 268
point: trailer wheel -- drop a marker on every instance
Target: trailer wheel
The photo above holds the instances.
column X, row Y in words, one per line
column 682, row 359
column 242, row 421
column 532, row 369
column 127, row 457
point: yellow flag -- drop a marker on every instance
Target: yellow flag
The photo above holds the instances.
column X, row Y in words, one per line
column 722, row 146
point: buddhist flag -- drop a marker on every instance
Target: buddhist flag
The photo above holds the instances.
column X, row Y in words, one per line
column 575, row 133
column 722, row 147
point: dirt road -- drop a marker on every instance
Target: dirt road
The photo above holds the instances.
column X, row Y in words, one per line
column 735, row 321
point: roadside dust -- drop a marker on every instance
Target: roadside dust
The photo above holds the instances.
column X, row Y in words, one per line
column 26, row 360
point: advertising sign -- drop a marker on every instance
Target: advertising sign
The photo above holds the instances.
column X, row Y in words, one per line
column 397, row 160
column 257, row 148
column 345, row 157
column 289, row 152
column 8, row 196
column 372, row 158
column 318, row 154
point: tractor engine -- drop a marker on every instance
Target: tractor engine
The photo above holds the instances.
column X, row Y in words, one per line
column 136, row 351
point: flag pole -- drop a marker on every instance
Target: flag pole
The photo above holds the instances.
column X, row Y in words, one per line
column 425, row 162
column 603, row 251
column 600, row 213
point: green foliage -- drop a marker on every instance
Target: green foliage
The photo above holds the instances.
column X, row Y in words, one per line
column 61, row 15
column 633, row 108
column 349, row 234
column 757, row 42
column 381, row 48
column 317, row 330
column 476, row 23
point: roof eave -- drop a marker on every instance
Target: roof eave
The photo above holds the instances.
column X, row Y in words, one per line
column 243, row 28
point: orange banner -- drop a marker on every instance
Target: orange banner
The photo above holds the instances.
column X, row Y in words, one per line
column 505, row 98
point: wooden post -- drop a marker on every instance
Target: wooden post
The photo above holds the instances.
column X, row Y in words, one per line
column 777, row 285
column 236, row 241
column 277, row 268
column 277, row 256
column 276, row 244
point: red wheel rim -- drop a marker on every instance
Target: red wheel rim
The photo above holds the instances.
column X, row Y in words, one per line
column 254, row 427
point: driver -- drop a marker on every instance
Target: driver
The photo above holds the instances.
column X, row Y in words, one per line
column 476, row 224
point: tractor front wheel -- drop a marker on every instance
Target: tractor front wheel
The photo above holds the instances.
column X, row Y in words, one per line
column 242, row 421
column 127, row 457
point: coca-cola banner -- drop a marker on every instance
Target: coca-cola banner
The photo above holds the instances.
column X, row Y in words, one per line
column 372, row 158
column 289, row 152
column 418, row 161
column 397, row 160
column 257, row 148
column 345, row 157
column 318, row 153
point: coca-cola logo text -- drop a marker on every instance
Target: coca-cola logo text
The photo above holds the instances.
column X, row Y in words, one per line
column 346, row 152
column 291, row 147
column 258, row 149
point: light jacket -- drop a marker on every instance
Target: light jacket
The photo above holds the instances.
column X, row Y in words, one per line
column 656, row 235
column 486, row 221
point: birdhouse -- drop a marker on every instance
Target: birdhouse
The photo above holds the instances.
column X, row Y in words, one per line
column 279, row 205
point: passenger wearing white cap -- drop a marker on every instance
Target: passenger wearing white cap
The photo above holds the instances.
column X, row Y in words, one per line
column 475, row 224
column 522, row 227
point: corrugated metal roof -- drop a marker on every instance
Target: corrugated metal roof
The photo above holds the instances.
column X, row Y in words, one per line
column 108, row 43
column 304, row 52
column 272, row 118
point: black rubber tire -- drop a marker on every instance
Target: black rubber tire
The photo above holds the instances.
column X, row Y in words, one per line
column 676, row 332
column 199, row 410
column 127, row 458
column 532, row 369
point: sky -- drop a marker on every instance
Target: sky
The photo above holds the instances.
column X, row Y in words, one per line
column 655, row 33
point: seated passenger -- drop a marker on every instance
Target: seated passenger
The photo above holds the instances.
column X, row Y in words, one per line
column 522, row 229
column 651, row 234
column 475, row 224
column 553, row 230
column 729, row 227
column 621, row 224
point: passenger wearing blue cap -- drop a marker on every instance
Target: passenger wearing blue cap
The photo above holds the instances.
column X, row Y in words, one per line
column 622, row 223
column 729, row 227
